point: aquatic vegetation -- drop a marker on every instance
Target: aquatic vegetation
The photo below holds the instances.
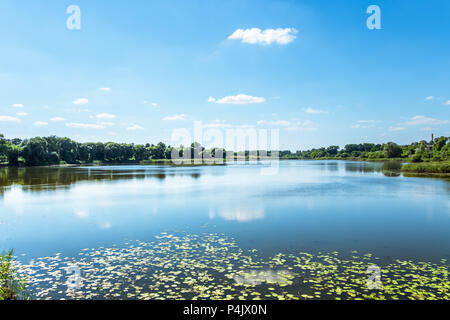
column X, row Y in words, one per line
column 212, row 266
column 12, row 285
column 428, row 167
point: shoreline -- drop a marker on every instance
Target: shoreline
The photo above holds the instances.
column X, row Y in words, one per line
column 423, row 172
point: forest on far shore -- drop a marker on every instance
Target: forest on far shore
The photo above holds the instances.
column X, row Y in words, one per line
column 41, row 151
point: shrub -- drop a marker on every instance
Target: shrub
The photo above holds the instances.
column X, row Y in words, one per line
column 12, row 286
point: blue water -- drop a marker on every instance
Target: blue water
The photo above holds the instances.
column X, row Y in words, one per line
column 312, row 206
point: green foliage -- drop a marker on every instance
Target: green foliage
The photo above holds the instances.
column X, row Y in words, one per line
column 54, row 150
column 12, row 286
column 13, row 154
column 428, row 167
column 392, row 150
column 422, row 151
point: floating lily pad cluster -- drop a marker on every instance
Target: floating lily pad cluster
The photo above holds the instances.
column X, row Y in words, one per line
column 212, row 266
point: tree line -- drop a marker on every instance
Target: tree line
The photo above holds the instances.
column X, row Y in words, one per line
column 54, row 150
column 423, row 151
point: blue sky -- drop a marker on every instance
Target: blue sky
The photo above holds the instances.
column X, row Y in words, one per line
column 136, row 70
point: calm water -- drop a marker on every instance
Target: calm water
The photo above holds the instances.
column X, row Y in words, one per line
column 310, row 206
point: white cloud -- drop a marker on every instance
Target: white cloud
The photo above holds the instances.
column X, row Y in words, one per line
column 447, row 103
column 365, row 124
column 266, row 37
column 85, row 125
column 21, row 114
column 426, row 129
column 40, row 123
column 273, row 123
column 429, row 98
column 175, row 118
column 306, row 125
column 106, row 123
column 57, row 119
column 315, row 111
column 217, row 125
column 367, row 121
column 105, row 116
column 135, row 127
column 396, row 128
column 154, row 105
column 9, row 119
column 81, row 213
column 105, row 89
column 80, row 101
column 238, row 99
column 105, row 225
column 422, row 120
column 17, row 105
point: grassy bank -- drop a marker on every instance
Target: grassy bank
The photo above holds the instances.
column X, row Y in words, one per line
column 428, row 168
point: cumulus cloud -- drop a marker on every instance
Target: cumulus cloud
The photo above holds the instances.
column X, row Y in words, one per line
column 106, row 123
column 57, row 119
column 21, row 114
column 154, row 105
column 396, row 128
column 306, row 125
column 429, row 98
column 9, row 119
column 85, row 125
column 40, row 123
column 365, row 124
column 315, row 111
column 273, row 123
column 367, row 121
column 218, row 124
column 265, row 37
column 135, row 127
column 237, row 99
column 105, row 89
column 105, row 116
column 422, row 120
column 175, row 118
column 80, row 101
column 17, row 105
column 447, row 103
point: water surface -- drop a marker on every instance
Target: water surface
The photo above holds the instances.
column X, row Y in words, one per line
column 311, row 206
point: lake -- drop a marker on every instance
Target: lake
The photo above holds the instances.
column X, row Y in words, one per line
column 227, row 228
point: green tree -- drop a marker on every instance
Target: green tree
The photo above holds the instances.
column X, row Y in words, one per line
column 140, row 152
column 68, row 150
column 13, row 154
column 35, row 152
column 439, row 143
column 332, row 150
column 392, row 150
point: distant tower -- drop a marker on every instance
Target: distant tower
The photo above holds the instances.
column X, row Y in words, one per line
column 432, row 138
